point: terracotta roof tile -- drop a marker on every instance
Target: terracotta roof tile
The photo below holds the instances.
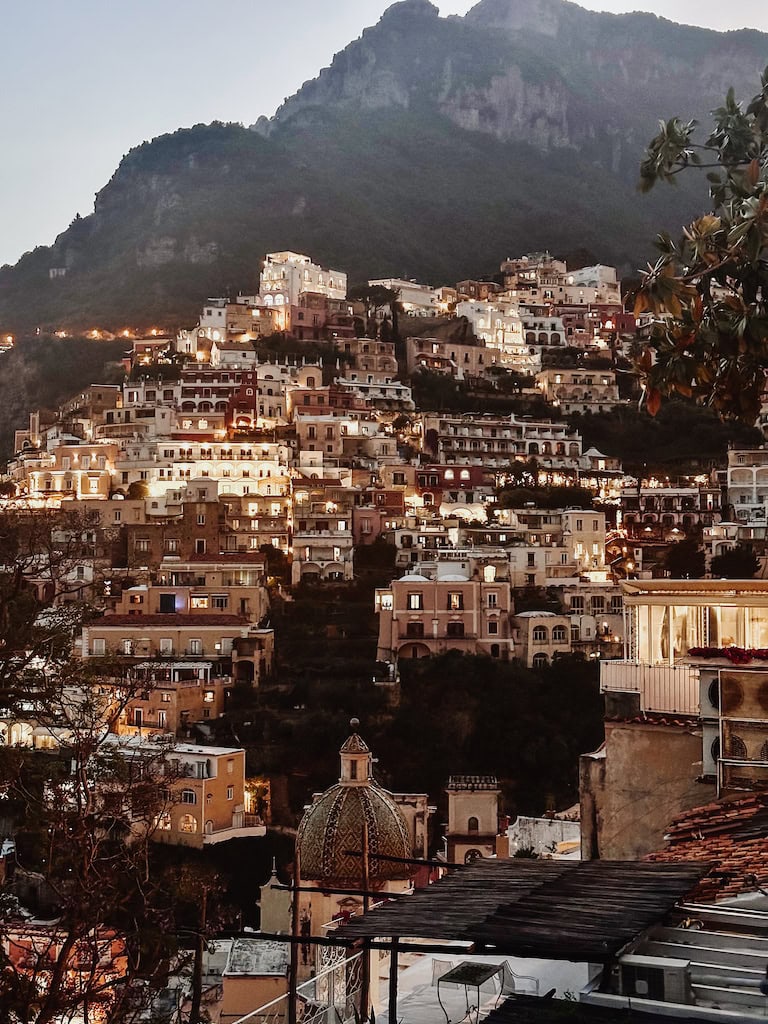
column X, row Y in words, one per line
column 732, row 834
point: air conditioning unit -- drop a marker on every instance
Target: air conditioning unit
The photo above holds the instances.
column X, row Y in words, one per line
column 709, row 693
column 710, row 746
column 658, row 978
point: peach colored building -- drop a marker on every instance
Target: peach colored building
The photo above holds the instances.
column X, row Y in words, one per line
column 419, row 617
column 209, row 802
column 541, row 636
column 256, row 973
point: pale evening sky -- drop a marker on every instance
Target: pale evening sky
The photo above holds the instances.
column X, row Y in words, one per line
column 84, row 80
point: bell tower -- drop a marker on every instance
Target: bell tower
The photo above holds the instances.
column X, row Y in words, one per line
column 473, row 817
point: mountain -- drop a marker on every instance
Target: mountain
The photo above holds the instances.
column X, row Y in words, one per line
column 431, row 147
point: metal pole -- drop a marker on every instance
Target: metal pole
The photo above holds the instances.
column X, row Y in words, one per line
column 365, row 981
column 393, row 982
column 293, row 976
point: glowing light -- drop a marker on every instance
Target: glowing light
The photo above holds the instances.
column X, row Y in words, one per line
column 200, row 356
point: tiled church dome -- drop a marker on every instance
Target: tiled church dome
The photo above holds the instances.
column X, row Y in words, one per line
column 334, row 824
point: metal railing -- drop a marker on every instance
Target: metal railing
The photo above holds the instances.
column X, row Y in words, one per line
column 666, row 688
column 333, row 995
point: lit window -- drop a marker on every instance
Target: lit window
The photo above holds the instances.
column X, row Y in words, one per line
column 415, row 602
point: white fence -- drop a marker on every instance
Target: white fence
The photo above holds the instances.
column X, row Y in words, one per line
column 665, row 688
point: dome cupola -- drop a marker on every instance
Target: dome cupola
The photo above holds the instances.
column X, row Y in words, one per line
column 331, row 831
column 356, row 759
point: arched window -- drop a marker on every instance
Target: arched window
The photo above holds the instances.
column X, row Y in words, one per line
column 473, row 825
column 558, row 635
column 188, row 823
column 208, row 827
column 188, row 796
column 540, row 634
column 310, row 382
column 540, row 661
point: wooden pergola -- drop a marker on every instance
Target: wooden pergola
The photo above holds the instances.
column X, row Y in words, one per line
column 585, row 912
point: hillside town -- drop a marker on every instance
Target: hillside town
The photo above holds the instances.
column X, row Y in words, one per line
column 420, row 451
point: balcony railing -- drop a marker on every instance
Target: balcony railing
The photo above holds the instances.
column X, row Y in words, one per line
column 404, row 635
column 665, row 688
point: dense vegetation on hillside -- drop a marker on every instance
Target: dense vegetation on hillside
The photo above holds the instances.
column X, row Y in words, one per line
column 681, row 436
column 452, row 714
column 41, row 373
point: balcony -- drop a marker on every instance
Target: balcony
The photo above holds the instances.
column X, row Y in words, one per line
column 663, row 688
column 252, row 828
column 441, row 637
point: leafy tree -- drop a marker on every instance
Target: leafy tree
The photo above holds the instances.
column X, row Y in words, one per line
column 711, row 287
column 376, row 297
column 685, row 560
column 277, row 563
column 737, row 563
column 83, row 812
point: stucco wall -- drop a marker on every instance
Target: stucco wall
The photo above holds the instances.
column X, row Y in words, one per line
column 630, row 791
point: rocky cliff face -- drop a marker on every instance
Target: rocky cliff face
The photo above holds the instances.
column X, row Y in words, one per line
column 430, row 147
column 541, row 72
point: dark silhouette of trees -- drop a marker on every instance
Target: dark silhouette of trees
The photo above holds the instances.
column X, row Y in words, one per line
column 685, row 560
column 737, row 563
